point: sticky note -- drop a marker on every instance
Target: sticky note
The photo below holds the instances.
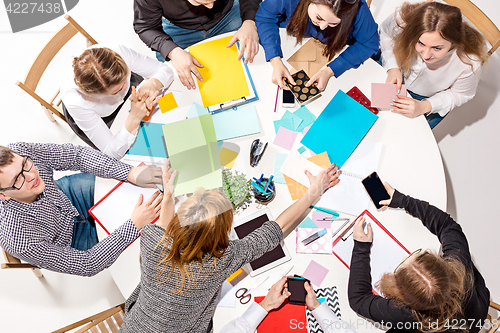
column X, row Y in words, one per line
column 227, row 157
column 307, row 118
column 384, row 93
column 285, row 138
column 301, row 150
column 307, row 223
column 167, row 102
column 315, row 273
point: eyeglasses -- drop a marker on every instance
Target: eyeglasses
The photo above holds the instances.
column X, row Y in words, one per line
column 411, row 254
column 20, row 179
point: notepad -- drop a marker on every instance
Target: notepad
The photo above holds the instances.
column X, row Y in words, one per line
column 384, row 93
column 339, row 128
column 385, row 254
column 295, row 165
column 331, row 297
column 225, row 78
column 194, row 153
column 295, row 188
column 350, row 196
column 116, row 207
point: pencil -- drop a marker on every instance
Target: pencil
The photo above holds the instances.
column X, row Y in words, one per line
column 276, row 102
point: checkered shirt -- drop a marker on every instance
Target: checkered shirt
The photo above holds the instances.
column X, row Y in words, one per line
column 40, row 232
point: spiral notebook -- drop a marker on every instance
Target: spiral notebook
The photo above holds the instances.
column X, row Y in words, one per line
column 350, row 196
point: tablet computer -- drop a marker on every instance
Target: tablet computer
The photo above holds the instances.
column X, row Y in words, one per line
column 269, row 260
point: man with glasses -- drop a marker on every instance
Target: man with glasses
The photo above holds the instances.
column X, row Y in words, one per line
column 45, row 222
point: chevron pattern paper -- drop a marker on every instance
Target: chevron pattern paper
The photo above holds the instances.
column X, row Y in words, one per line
column 332, row 300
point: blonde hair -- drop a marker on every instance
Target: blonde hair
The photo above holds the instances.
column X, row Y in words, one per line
column 98, row 69
column 199, row 229
column 420, row 18
column 432, row 286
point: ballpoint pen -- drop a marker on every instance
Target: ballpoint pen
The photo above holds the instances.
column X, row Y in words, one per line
column 332, row 219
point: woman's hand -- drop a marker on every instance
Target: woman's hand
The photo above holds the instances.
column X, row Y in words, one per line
column 168, row 205
column 146, row 212
column 249, row 41
column 150, row 86
column 280, row 72
column 410, row 107
column 359, row 232
column 394, row 76
column 185, row 64
column 311, row 299
column 327, row 178
column 321, row 78
column 387, row 202
column 138, row 108
column 276, row 296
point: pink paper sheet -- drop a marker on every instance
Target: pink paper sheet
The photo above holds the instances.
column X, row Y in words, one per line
column 320, row 245
column 384, row 93
column 315, row 273
column 285, row 138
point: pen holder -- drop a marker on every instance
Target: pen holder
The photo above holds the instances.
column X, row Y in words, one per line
column 260, row 197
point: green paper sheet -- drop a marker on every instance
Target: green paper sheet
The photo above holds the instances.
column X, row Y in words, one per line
column 194, row 153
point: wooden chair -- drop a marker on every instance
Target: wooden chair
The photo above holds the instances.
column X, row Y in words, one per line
column 480, row 20
column 44, row 58
column 495, row 323
column 107, row 321
column 13, row 262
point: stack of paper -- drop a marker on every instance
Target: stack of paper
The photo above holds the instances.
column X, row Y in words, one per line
column 194, row 153
column 339, row 128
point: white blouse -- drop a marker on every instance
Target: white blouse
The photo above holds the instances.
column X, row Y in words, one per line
column 87, row 110
column 448, row 83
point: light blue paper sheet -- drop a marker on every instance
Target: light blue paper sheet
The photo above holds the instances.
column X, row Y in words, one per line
column 339, row 128
column 307, row 117
column 278, row 162
column 235, row 123
column 149, row 134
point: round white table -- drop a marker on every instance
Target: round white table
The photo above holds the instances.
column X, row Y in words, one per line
column 410, row 162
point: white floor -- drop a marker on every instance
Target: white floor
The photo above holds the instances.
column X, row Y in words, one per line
column 468, row 138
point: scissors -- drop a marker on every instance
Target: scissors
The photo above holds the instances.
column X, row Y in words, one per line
column 244, row 294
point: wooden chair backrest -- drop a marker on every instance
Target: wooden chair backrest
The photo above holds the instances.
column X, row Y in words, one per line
column 495, row 323
column 13, row 262
column 48, row 52
column 107, row 321
column 480, row 20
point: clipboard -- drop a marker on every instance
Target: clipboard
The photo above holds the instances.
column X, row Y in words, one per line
column 115, row 208
column 386, row 251
column 224, row 76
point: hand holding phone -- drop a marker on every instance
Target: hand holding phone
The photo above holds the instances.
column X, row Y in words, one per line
column 295, row 285
column 375, row 189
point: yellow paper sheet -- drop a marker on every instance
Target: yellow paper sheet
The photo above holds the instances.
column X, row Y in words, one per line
column 223, row 76
column 167, row 102
column 295, row 188
column 227, row 157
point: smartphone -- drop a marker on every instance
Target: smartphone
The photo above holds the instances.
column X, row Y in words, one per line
column 288, row 99
column 375, row 189
column 295, row 285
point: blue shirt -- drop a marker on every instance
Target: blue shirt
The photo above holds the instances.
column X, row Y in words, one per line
column 363, row 40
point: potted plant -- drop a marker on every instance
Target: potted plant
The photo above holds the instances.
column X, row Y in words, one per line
column 236, row 188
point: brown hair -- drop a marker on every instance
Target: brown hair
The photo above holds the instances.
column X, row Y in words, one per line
column 199, row 229
column 419, row 18
column 98, row 69
column 6, row 156
column 338, row 35
column 432, row 286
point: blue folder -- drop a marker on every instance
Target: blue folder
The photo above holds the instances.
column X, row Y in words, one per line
column 149, row 141
column 339, row 128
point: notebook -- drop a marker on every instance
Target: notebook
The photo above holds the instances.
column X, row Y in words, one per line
column 339, row 128
column 350, row 196
column 386, row 251
column 331, row 297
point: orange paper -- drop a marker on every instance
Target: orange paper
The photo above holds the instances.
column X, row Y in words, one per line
column 167, row 102
column 295, row 188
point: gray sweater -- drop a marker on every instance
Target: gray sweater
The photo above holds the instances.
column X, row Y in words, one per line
column 153, row 307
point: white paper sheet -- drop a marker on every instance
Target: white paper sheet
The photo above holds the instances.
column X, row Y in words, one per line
column 295, row 165
column 350, row 196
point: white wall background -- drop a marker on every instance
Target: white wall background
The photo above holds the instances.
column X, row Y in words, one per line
column 468, row 138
